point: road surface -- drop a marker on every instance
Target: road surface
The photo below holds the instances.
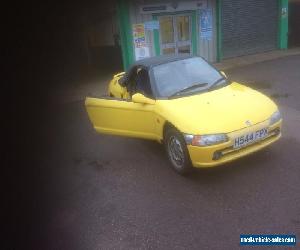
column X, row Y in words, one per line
column 105, row 192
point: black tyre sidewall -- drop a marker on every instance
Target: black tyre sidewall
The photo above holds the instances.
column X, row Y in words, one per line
column 187, row 162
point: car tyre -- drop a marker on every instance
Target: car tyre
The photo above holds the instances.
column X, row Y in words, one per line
column 177, row 151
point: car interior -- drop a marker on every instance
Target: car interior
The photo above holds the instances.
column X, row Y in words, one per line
column 138, row 82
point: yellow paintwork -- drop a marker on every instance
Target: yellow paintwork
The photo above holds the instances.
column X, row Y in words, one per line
column 202, row 156
column 139, row 98
column 115, row 89
column 224, row 110
column 121, row 117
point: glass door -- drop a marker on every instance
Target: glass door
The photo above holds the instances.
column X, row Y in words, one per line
column 183, row 28
column 175, row 34
column 167, row 35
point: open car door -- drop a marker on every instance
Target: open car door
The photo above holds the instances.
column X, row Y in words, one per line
column 116, row 116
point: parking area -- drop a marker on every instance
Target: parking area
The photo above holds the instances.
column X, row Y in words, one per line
column 107, row 192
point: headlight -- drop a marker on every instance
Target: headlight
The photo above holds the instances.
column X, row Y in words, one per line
column 205, row 140
column 275, row 118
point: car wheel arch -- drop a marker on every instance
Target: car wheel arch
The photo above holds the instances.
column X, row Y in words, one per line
column 168, row 125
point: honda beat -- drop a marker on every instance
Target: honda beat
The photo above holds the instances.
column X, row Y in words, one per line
column 202, row 118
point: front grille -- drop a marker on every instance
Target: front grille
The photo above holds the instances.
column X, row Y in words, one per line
column 230, row 150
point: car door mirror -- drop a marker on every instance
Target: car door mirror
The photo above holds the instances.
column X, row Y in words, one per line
column 223, row 73
column 140, row 98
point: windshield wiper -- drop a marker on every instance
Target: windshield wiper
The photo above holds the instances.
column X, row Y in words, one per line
column 216, row 82
column 198, row 85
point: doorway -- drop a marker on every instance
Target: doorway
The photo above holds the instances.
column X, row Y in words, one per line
column 175, row 34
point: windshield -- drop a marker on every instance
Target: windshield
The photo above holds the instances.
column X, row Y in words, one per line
column 185, row 76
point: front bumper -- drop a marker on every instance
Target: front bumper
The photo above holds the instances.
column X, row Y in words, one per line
column 215, row 155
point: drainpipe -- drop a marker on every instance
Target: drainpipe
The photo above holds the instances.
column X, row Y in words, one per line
column 126, row 38
column 283, row 26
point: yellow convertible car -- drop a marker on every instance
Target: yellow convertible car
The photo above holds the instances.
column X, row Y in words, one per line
column 201, row 117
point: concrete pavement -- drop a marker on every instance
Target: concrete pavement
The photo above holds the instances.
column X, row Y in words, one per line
column 256, row 58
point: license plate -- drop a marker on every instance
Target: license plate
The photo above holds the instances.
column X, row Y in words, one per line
column 247, row 139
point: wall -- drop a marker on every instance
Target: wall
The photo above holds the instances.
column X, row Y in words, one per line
column 207, row 49
column 136, row 17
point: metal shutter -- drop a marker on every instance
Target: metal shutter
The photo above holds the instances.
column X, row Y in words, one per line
column 249, row 26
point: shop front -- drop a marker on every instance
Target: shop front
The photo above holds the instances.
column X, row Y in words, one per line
column 213, row 29
column 168, row 28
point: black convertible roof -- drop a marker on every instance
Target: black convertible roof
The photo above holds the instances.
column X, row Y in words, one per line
column 153, row 61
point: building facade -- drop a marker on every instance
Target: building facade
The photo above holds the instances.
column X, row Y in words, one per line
column 213, row 29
